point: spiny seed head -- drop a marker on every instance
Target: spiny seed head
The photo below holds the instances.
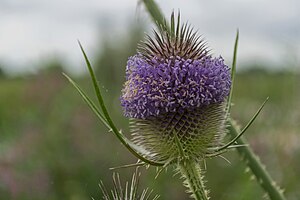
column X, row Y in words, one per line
column 199, row 132
column 174, row 88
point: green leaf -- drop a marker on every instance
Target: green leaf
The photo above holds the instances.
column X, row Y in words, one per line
column 233, row 71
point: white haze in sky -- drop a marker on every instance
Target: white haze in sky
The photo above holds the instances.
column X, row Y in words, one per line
column 36, row 30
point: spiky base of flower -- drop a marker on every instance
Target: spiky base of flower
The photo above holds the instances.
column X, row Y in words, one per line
column 193, row 179
column 198, row 132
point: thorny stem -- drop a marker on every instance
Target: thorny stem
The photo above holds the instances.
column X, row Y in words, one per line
column 257, row 168
column 191, row 172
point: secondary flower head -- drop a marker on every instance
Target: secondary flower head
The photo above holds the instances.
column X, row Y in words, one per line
column 175, row 89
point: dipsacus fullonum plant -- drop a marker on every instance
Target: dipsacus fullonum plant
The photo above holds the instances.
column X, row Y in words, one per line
column 177, row 97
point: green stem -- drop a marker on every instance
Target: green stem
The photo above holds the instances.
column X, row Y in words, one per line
column 191, row 171
column 257, row 168
column 156, row 14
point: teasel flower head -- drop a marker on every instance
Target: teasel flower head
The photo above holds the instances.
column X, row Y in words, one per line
column 175, row 94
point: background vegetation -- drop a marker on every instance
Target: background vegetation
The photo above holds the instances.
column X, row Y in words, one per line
column 52, row 146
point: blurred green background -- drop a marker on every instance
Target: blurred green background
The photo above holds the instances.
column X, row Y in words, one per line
column 53, row 147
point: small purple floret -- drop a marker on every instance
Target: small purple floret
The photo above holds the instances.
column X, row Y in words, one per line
column 173, row 85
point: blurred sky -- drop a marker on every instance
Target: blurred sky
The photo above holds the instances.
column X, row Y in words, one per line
column 36, row 30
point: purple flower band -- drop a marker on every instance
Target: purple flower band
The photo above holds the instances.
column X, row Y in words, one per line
column 160, row 86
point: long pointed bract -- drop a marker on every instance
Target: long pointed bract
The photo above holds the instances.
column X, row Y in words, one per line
column 112, row 126
column 233, row 71
column 245, row 128
column 88, row 101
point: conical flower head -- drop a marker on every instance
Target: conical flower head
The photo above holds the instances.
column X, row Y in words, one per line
column 175, row 91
